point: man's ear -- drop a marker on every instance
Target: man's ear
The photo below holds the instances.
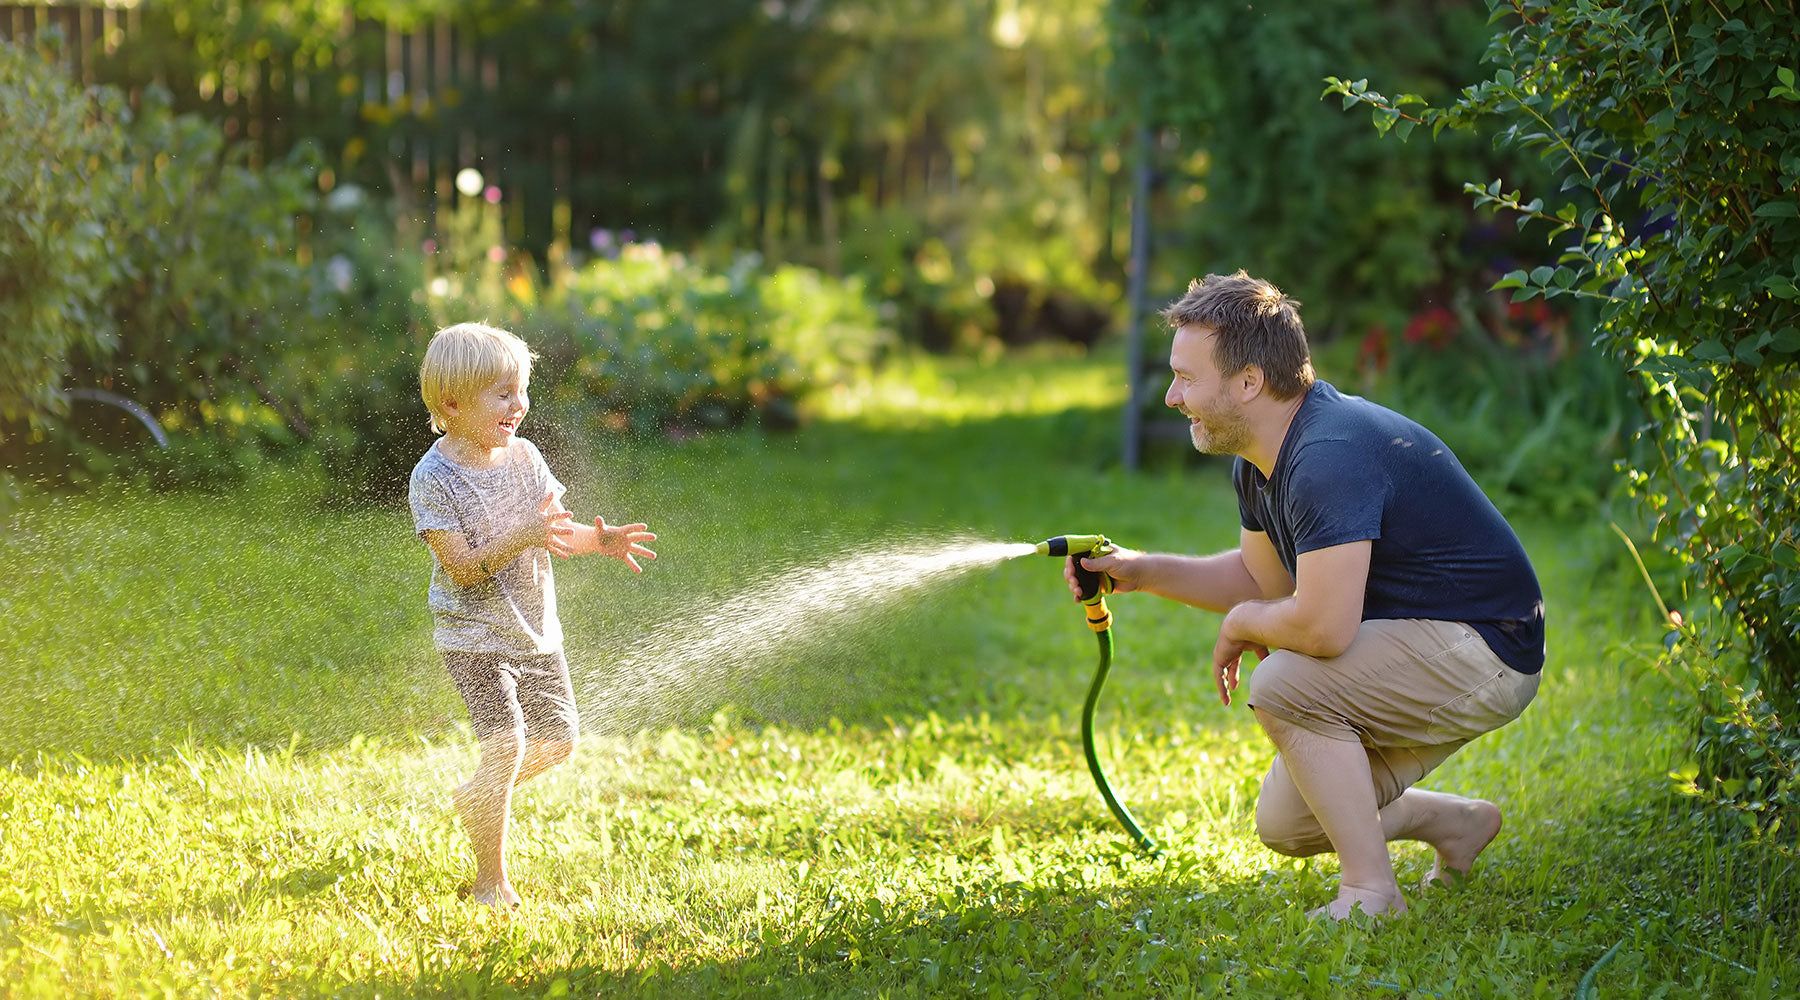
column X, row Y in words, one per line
column 1249, row 383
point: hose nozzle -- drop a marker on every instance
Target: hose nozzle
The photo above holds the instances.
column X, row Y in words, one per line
column 1094, row 584
column 1074, row 545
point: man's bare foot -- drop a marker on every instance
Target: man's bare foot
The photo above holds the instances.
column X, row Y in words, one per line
column 1475, row 826
column 1349, row 900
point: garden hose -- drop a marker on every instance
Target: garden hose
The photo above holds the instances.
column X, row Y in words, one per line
column 1094, row 587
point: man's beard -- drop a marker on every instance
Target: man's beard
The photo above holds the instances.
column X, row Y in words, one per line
column 1221, row 431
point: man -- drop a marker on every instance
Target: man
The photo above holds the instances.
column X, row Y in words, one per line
column 1393, row 610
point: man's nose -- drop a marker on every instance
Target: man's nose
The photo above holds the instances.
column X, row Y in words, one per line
column 1171, row 398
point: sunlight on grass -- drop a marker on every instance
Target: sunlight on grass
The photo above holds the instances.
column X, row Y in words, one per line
column 230, row 748
column 929, row 390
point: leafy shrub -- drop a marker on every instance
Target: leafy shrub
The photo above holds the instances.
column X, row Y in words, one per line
column 209, row 306
column 1681, row 124
column 1257, row 174
column 158, row 267
column 648, row 342
column 661, row 344
column 56, row 183
column 369, row 291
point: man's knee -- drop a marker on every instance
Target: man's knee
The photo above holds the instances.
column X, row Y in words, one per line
column 1282, row 830
column 1271, row 676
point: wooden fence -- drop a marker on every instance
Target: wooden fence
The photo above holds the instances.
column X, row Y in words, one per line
column 84, row 28
column 381, row 106
column 402, row 111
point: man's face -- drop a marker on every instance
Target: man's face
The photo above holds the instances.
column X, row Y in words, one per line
column 1215, row 420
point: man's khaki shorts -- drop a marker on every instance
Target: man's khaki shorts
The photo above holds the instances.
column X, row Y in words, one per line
column 1402, row 683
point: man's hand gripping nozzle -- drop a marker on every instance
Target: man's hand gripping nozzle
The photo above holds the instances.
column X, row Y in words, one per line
column 1094, row 585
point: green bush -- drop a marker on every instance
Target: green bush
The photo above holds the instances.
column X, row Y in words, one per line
column 646, row 343
column 660, row 344
column 209, row 308
column 145, row 259
column 369, row 290
column 1681, row 124
column 1257, row 174
column 56, row 263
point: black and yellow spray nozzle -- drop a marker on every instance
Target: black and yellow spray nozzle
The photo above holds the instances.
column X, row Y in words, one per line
column 1094, row 584
column 1074, row 545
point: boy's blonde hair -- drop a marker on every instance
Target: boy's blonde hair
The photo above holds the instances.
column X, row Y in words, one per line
column 466, row 358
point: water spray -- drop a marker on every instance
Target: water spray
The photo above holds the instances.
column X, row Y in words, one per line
column 1094, row 586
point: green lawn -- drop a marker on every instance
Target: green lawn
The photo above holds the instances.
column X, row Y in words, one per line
column 231, row 744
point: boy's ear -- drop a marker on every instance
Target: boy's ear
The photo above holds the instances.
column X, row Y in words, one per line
column 448, row 403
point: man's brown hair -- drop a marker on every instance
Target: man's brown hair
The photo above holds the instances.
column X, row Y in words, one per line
column 1253, row 323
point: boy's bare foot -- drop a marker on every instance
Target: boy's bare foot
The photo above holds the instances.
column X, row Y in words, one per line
column 491, row 886
column 1476, row 825
column 1350, row 899
column 499, row 897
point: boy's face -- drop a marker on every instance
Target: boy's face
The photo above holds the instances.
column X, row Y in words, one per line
column 488, row 417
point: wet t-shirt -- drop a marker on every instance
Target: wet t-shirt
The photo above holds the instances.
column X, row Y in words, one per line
column 1351, row 470
column 514, row 610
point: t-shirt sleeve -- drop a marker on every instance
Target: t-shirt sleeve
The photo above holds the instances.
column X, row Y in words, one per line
column 1243, row 480
column 1336, row 495
column 432, row 509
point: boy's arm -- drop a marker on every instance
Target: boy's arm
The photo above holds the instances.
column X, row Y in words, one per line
column 468, row 564
column 621, row 541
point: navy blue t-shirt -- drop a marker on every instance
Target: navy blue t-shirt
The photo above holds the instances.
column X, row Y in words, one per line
column 1349, row 471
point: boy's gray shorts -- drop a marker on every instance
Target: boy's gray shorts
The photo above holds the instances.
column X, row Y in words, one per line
column 518, row 694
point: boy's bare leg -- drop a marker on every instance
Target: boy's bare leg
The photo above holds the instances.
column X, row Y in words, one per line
column 1333, row 776
column 541, row 756
column 485, row 802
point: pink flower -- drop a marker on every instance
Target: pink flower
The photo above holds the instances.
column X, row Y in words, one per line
column 492, row 194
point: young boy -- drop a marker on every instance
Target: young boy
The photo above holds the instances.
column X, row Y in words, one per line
column 491, row 512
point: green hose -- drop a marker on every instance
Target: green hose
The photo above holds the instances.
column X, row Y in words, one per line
column 1120, row 813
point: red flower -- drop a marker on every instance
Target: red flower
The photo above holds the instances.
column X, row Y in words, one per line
column 1433, row 327
column 1373, row 352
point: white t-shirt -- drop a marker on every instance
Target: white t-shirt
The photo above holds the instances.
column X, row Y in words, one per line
column 514, row 610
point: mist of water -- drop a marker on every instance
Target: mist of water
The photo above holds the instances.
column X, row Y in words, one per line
column 696, row 658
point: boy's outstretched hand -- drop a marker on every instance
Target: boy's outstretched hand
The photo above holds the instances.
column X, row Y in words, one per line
column 551, row 528
column 623, row 541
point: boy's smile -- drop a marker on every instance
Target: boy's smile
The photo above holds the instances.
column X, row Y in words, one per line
column 489, row 417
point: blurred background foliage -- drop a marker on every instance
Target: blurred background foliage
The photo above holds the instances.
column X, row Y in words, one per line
column 808, row 185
